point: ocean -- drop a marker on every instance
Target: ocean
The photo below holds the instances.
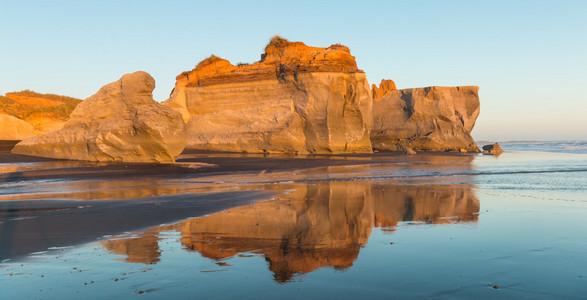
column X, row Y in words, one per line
column 577, row 147
column 448, row 226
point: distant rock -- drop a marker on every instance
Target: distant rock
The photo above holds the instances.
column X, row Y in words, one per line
column 385, row 86
column 492, row 149
column 14, row 128
column 120, row 123
column 45, row 112
column 296, row 99
column 426, row 119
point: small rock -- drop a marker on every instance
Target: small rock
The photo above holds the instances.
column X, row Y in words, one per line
column 492, row 149
column 406, row 150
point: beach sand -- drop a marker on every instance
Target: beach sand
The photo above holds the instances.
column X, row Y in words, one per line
column 431, row 225
column 116, row 198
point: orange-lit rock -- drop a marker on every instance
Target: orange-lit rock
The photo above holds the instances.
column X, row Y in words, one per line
column 121, row 122
column 296, row 99
column 13, row 128
column 494, row 149
column 45, row 112
column 385, row 86
column 426, row 119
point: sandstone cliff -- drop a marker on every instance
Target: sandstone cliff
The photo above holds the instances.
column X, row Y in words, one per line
column 121, row 122
column 296, row 99
column 425, row 119
column 45, row 112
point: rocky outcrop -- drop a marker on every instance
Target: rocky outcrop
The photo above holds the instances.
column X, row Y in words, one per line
column 121, row 123
column 494, row 149
column 14, row 128
column 385, row 86
column 296, row 99
column 426, row 119
column 45, row 112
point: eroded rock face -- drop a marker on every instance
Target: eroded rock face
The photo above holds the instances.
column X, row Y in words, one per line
column 297, row 99
column 13, row 128
column 426, row 119
column 45, row 112
column 121, row 122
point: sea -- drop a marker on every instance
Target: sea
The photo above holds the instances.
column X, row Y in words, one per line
column 432, row 225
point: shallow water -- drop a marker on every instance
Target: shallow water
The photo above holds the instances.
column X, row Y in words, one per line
column 437, row 226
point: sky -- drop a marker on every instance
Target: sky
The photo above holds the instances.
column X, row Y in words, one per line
column 529, row 58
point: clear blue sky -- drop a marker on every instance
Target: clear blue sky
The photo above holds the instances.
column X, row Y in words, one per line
column 528, row 57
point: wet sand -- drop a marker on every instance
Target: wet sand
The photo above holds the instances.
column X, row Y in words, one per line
column 218, row 163
column 432, row 225
column 32, row 225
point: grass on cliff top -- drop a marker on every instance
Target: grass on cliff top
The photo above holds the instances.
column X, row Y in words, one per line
column 276, row 42
column 64, row 99
column 22, row 111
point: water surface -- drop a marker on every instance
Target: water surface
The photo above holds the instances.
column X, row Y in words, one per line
column 424, row 226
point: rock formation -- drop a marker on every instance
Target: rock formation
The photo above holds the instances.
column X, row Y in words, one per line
column 121, row 122
column 45, row 112
column 296, row 99
column 494, row 149
column 14, row 128
column 384, row 86
column 425, row 119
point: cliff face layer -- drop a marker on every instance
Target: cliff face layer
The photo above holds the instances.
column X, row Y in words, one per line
column 426, row 119
column 121, row 122
column 296, row 99
column 45, row 112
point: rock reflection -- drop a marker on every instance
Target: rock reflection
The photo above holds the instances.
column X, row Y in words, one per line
column 143, row 249
column 313, row 225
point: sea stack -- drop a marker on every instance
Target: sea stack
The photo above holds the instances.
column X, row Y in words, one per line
column 296, row 99
column 425, row 119
column 120, row 123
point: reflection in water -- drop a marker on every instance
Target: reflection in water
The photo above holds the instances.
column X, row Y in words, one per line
column 144, row 249
column 309, row 226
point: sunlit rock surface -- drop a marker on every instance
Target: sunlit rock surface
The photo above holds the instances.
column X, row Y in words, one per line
column 121, row 122
column 45, row 112
column 425, row 119
column 494, row 149
column 296, row 99
column 13, row 128
column 385, row 86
